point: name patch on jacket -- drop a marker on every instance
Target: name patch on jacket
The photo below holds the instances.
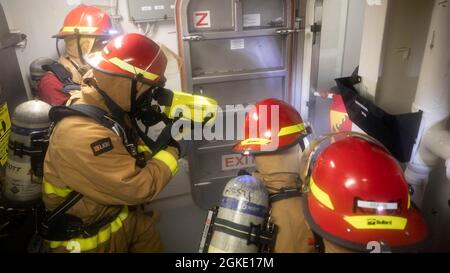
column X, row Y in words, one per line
column 102, row 146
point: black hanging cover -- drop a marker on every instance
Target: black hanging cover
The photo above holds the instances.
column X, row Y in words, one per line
column 397, row 132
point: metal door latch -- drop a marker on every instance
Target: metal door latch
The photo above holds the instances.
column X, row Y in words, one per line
column 192, row 38
column 286, row 31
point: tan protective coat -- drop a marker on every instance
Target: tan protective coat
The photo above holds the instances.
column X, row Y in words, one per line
column 276, row 171
column 107, row 181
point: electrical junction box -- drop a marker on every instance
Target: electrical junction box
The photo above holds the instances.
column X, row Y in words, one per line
column 142, row 11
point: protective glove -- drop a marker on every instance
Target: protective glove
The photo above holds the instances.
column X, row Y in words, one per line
column 183, row 142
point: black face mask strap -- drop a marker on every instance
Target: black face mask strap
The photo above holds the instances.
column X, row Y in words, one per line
column 165, row 136
column 133, row 110
column 133, row 96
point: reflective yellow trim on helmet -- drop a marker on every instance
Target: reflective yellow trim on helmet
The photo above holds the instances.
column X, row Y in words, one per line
column 86, row 244
column 132, row 69
column 143, row 149
column 50, row 189
column 291, row 129
column 256, row 141
column 377, row 222
column 80, row 29
column 320, row 195
column 409, row 201
column 169, row 160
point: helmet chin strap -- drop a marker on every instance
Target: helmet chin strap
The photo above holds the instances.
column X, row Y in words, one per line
column 80, row 51
column 80, row 68
column 57, row 47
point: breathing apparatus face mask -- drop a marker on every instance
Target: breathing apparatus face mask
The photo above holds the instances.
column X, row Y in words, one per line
column 147, row 110
column 158, row 104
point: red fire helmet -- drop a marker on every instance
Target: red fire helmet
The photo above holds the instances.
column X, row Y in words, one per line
column 131, row 56
column 358, row 194
column 86, row 20
column 260, row 126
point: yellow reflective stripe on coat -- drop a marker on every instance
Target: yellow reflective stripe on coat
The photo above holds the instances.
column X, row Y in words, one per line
column 50, row 189
column 291, row 129
column 320, row 195
column 86, row 244
column 143, row 149
column 169, row 160
column 132, row 69
column 377, row 222
column 80, row 29
column 256, row 141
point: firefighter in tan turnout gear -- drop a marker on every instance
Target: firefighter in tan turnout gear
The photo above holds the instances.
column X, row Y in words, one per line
column 86, row 29
column 96, row 167
column 278, row 170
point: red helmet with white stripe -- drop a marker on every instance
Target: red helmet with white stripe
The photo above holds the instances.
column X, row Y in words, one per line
column 86, row 20
column 358, row 194
column 271, row 125
column 132, row 56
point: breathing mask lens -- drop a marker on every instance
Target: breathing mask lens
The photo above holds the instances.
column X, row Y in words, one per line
column 147, row 111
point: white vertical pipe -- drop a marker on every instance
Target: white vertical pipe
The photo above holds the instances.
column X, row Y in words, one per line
column 433, row 99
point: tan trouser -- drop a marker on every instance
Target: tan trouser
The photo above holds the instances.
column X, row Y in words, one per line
column 139, row 234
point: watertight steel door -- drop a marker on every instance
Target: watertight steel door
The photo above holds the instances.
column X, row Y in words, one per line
column 237, row 52
column 12, row 88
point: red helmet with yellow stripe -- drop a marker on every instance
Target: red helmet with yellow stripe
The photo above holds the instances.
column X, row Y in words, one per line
column 271, row 125
column 86, row 20
column 358, row 194
column 132, row 56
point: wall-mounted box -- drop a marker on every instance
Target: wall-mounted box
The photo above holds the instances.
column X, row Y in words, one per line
column 151, row 10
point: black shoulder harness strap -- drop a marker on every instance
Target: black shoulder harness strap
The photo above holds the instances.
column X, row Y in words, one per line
column 284, row 193
column 63, row 76
column 57, row 113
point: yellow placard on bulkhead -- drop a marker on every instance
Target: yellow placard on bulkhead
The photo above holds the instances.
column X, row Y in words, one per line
column 5, row 129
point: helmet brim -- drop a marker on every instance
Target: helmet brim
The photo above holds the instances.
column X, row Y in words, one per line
column 63, row 35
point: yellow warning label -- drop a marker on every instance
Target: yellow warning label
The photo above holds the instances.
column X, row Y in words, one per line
column 5, row 129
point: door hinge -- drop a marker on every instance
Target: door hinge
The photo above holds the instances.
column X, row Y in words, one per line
column 315, row 28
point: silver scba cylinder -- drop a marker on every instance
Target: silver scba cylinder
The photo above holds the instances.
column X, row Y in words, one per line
column 30, row 122
column 244, row 204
